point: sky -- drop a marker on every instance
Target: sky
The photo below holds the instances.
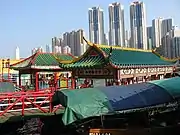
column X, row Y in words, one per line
column 32, row 23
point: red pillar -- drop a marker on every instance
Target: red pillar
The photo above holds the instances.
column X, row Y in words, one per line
column 8, row 66
column 55, row 80
column 37, row 82
column 73, row 83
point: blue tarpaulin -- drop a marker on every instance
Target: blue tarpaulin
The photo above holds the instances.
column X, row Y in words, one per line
column 88, row 102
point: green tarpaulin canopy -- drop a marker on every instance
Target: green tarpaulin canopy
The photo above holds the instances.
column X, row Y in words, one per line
column 83, row 103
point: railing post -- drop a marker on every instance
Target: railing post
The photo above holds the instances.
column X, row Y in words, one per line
column 50, row 104
column 23, row 105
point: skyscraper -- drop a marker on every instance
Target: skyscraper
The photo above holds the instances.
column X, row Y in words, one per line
column 138, row 25
column 74, row 40
column 96, row 25
column 116, row 24
column 156, row 32
column 55, row 42
column 171, row 43
column 167, row 25
column 149, row 37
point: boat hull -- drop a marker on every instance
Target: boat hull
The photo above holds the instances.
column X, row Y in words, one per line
column 169, row 130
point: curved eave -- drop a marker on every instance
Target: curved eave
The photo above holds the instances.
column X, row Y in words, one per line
column 31, row 57
column 82, row 64
column 84, row 55
column 164, row 58
column 65, row 61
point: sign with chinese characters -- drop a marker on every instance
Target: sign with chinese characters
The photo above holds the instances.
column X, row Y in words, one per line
column 100, row 134
column 45, row 67
column 131, row 131
column 93, row 72
column 134, row 71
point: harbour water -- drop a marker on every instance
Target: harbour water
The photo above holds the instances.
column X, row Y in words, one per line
column 30, row 127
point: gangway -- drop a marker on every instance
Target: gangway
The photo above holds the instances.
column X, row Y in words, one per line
column 17, row 104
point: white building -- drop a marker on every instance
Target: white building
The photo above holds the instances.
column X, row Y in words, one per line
column 56, row 42
column 17, row 55
column 57, row 49
column 156, row 32
column 66, row 49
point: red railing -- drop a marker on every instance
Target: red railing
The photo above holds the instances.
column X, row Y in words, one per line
column 24, row 103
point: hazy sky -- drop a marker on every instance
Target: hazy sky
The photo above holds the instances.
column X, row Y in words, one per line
column 32, row 23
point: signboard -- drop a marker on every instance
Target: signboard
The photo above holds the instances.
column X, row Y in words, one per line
column 132, row 71
column 45, row 67
column 138, row 131
column 94, row 72
column 100, row 133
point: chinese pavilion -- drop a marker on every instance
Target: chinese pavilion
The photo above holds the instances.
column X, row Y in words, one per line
column 38, row 65
column 119, row 65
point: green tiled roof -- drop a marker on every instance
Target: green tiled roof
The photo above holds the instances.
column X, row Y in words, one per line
column 119, row 58
column 64, row 57
column 42, row 61
column 45, row 59
column 122, row 57
column 86, row 62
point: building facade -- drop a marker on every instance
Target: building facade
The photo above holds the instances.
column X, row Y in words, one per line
column 138, row 25
column 149, row 37
column 66, row 50
column 167, row 25
column 74, row 40
column 171, row 44
column 96, row 25
column 56, row 42
column 116, row 24
column 156, row 32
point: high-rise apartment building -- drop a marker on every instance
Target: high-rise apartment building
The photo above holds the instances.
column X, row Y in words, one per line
column 66, row 39
column 167, row 25
column 96, row 25
column 55, row 42
column 116, row 24
column 74, row 40
column 175, row 47
column 156, row 32
column 170, row 43
column 138, row 25
column 149, row 37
